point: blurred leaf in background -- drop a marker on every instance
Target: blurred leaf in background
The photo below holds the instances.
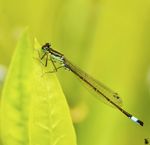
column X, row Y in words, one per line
column 109, row 40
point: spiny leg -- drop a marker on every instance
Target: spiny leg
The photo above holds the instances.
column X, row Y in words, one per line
column 46, row 60
column 53, row 63
column 55, row 68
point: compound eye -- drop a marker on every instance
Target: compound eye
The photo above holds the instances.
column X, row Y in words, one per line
column 42, row 48
column 46, row 46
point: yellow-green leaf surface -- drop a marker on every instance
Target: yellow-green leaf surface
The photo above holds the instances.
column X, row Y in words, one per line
column 33, row 108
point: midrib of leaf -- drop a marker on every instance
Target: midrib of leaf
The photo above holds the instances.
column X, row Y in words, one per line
column 54, row 109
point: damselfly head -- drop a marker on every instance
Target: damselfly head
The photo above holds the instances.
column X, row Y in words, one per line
column 46, row 47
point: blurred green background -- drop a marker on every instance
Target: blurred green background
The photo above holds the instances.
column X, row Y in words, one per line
column 108, row 39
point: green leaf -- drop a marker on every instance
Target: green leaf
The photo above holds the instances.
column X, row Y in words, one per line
column 33, row 108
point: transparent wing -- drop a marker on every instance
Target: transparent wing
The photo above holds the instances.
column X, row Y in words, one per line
column 102, row 92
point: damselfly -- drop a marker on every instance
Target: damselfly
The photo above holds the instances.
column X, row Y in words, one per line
column 99, row 88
